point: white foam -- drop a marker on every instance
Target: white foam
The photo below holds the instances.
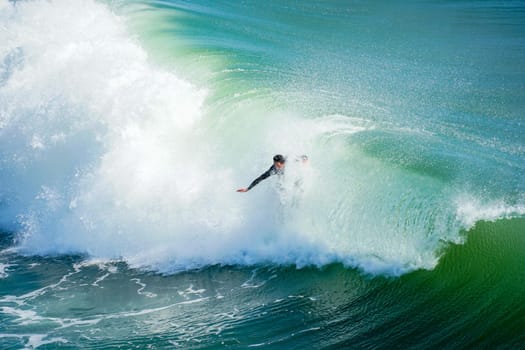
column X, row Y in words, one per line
column 23, row 317
column 100, row 279
column 109, row 155
column 37, row 340
column 34, row 341
column 471, row 210
column 143, row 286
column 4, row 269
column 21, row 299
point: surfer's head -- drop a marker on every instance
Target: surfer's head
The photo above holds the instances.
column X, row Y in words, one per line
column 278, row 161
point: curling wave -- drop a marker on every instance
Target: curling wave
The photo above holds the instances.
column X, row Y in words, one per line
column 102, row 152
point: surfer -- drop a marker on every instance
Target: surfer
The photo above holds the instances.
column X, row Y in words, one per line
column 277, row 168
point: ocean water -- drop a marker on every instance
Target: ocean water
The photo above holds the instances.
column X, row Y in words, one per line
column 127, row 126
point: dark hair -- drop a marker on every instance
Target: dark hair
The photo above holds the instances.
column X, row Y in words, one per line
column 279, row 158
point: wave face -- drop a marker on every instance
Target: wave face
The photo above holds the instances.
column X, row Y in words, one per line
column 108, row 151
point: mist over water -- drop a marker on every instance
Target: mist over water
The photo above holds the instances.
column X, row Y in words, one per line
column 105, row 152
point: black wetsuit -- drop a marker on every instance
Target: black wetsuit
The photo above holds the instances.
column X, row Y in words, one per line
column 272, row 171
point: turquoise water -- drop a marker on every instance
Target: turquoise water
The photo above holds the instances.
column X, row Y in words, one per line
column 126, row 126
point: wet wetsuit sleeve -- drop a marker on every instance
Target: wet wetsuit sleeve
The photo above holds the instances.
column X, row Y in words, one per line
column 265, row 175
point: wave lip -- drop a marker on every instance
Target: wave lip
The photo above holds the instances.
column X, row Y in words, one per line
column 471, row 210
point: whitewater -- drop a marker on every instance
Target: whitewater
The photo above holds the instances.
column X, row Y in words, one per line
column 107, row 153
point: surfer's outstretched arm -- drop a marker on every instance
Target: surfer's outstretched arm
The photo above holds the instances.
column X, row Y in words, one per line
column 265, row 175
column 276, row 168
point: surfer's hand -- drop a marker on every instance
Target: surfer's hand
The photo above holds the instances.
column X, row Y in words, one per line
column 242, row 190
